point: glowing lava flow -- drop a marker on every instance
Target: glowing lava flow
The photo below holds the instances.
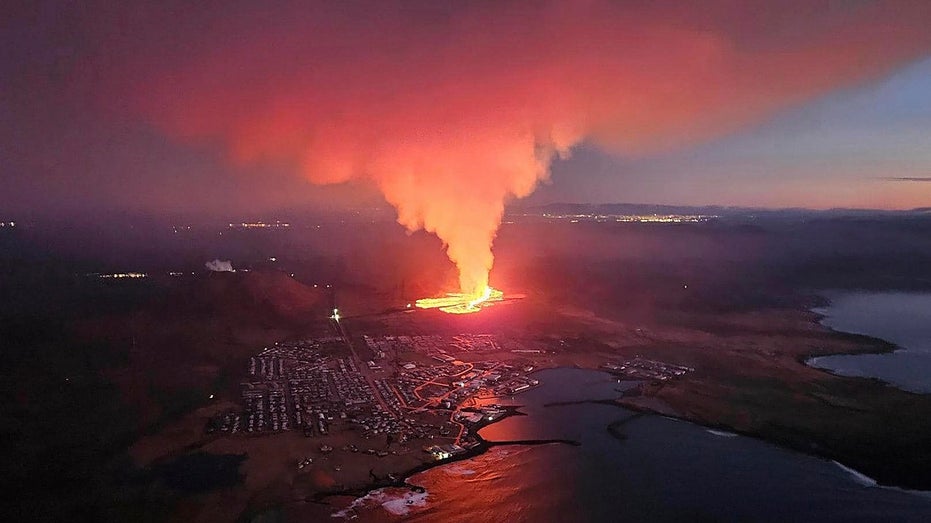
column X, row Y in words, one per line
column 461, row 303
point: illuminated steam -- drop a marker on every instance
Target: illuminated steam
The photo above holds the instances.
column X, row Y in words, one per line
column 219, row 265
column 451, row 112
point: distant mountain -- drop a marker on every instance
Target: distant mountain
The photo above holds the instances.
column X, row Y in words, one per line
column 623, row 209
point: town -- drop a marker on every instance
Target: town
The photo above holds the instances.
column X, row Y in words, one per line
column 646, row 370
column 411, row 388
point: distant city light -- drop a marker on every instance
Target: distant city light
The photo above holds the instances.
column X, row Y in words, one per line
column 119, row 275
column 259, row 225
column 637, row 218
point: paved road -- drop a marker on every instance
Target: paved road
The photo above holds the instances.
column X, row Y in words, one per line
column 362, row 366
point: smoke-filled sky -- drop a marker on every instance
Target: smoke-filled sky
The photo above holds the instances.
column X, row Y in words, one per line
column 446, row 108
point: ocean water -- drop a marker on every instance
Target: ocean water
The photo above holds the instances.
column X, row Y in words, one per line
column 900, row 318
column 661, row 469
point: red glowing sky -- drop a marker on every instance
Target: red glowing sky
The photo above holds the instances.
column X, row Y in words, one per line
column 226, row 104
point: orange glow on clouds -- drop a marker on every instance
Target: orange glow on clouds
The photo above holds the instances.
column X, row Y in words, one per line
column 452, row 112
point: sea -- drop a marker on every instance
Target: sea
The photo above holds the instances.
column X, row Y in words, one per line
column 897, row 317
column 649, row 468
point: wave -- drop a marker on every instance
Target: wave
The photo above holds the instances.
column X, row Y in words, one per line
column 867, row 481
column 396, row 501
column 458, row 470
column 721, row 433
column 857, row 476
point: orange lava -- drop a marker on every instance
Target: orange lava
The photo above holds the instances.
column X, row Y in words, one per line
column 462, row 303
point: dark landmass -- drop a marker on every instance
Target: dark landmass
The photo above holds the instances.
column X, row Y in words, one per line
column 104, row 378
column 863, row 423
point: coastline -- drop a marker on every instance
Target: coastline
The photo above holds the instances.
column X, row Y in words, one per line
column 615, row 429
column 881, row 346
column 704, row 399
column 718, row 429
column 887, row 347
column 401, row 479
column 840, row 399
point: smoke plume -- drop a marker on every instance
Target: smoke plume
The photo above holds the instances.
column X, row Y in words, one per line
column 453, row 111
column 219, row 265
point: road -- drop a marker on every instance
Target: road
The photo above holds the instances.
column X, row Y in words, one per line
column 340, row 328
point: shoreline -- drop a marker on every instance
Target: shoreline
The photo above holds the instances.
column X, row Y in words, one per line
column 783, row 444
column 883, row 347
column 868, row 345
column 401, row 479
column 639, row 412
column 860, row 343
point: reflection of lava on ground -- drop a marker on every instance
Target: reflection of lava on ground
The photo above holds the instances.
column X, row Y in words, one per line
column 462, row 303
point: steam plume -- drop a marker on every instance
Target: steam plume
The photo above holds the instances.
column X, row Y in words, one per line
column 219, row 265
column 453, row 111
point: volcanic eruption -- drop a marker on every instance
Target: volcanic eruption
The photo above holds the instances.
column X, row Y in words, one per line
column 462, row 303
column 452, row 111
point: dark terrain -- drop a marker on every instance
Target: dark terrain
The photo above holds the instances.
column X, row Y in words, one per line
column 90, row 365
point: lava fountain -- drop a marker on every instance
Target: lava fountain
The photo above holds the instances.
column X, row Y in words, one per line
column 452, row 113
column 462, row 303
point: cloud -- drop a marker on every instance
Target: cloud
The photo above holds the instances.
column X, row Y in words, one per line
column 453, row 110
